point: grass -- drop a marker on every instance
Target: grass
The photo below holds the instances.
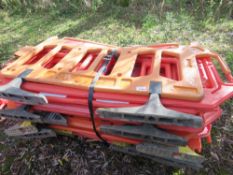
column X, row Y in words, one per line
column 123, row 26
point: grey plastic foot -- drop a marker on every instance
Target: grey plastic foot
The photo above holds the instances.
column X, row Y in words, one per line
column 41, row 134
column 171, row 152
column 20, row 129
column 22, row 113
column 167, row 161
column 144, row 132
column 28, row 132
column 12, row 91
column 54, row 118
column 152, row 112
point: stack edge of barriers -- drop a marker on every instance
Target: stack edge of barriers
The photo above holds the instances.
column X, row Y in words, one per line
column 157, row 101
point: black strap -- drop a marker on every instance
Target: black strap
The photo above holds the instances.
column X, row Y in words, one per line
column 112, row 55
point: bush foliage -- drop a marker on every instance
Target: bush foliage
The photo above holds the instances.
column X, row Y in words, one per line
column 214, row 9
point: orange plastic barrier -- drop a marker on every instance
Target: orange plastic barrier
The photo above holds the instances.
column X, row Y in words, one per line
column 166, row 94
column 71, row 63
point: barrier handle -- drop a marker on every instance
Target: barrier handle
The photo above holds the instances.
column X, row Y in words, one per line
column 226, row 70
column 164, row 45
